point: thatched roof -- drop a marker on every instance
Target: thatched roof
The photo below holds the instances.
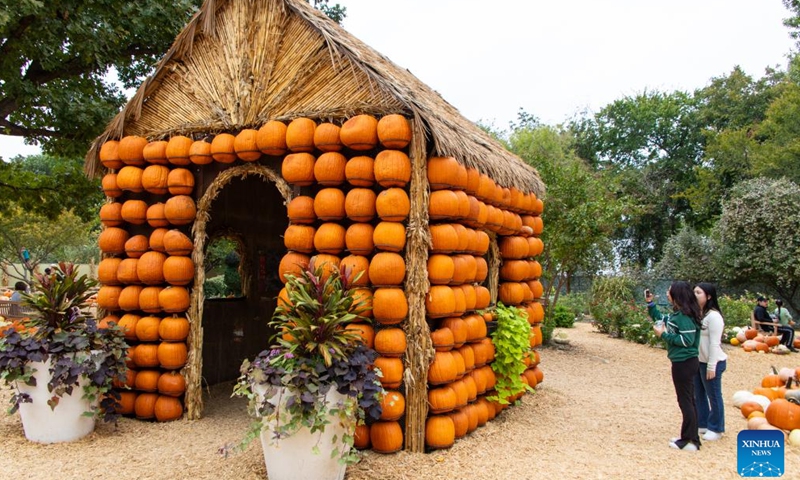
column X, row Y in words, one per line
column 240, row 63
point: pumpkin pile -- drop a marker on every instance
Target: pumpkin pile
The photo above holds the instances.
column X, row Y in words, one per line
column 775, row 405
column 146, row 268
column 752, row 340
column 351, row 211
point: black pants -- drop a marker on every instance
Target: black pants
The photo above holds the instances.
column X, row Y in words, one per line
column 683, row 374
column 787, row 335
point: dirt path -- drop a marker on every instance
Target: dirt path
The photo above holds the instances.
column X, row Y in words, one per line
column 606, row 409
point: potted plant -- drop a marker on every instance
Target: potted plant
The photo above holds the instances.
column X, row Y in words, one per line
column 316, row 382
column 60, row 364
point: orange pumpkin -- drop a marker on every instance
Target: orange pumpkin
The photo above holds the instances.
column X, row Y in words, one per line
column 155, row 152
column 131, row 150
column 360, row 132
column 180, row 210
column 441, row 400
column 173, row 329
column 326, row 137
column 298, row 168
column 145, row 405
column 222, row 149
column 390, row 342
column 393, row 405
column 301, row 210
column 110, row 186
column 389, row 236
column 107, row 271
column 172, row 355
column 199, row 153
column 329, row 204
column 329, row 238
column 329, row 169
column 134, row 211
column 147, row 329
column 359, row 239
column 174, row 299
column 179, row 149
column 386, row 436
column 359, row 204
column 245, row 145
column 393, row 205
column 176, row 242
column 130, row 179
column 167, row 408
column 271, row 138
column 109, row 155
column 156, row 215
column 300, row 135
column 180, row 181
column 360, row 171
column 111, row 214
column 387, row 269
column 178, row 270
column 392, row 369
column 392, row 168
column 394, row 131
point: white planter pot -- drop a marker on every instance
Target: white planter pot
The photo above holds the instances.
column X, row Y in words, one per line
column 292, row 458
column 65, row 423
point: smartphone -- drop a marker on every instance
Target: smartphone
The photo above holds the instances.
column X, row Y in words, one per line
column 646, row 292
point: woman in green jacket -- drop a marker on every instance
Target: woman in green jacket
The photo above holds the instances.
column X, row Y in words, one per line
column 680, row 330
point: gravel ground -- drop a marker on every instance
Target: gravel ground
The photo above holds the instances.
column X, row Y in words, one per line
column 606, row 409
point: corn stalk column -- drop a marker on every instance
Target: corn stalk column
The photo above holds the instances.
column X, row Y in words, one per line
column 419, row 352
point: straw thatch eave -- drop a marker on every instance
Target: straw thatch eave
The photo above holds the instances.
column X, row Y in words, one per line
column 232, row 68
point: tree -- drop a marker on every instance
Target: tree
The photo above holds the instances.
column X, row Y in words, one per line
column 688, row 256
column 336, row 12
column 793, row 23
column 758, row 236
column 65, row 238
column 779, row 151
column 45, row 185
column 580, row 211
column 56, row 57
column 650, row 143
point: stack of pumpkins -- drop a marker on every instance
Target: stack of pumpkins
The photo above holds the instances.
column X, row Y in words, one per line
column 775, row 405
column 465, row 205
column 147, row 268
column 352, row 215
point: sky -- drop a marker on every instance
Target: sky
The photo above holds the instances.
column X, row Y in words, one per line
column 556, row 59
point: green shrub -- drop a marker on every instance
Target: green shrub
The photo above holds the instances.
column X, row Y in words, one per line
column 736, row 310
column 576, row 303
column 611, row 303
column 563, row 317
column 548, row 325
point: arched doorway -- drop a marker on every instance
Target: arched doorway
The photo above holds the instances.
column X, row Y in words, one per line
column 243, row 214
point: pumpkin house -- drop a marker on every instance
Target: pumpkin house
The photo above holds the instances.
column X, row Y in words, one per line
column 269, row 125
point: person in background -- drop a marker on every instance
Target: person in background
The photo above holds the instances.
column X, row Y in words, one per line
column 680, row 330
column 785, row 325
column 713, row 361
column 19, row 289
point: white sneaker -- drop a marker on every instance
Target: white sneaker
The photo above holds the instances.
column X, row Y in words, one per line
column 689, row 447
column 711, row 436
column 701, row 431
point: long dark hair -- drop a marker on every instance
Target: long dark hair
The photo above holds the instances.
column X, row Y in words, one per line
column 711, row 291
column 683, row 300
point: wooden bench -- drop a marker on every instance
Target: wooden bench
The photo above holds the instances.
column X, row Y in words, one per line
column 12, row 310
column 762, row 326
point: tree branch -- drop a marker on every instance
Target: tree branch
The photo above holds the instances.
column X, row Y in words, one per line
column 8, row 128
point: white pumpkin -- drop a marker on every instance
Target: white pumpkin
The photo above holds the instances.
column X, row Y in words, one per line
column 756, row 422
column 794, row 437
column 742, row 396
column 761, row 400
column 786, row 374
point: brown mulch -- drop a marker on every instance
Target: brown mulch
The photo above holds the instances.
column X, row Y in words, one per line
column 606, row 409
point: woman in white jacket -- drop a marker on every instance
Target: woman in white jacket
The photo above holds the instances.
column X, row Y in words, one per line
column 713, row 361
